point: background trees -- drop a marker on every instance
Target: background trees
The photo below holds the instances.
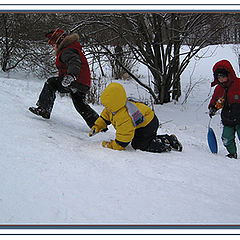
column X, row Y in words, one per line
column 22, row 43
column 164, row 42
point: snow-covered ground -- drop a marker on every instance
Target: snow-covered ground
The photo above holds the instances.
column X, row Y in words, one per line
column 53, row 173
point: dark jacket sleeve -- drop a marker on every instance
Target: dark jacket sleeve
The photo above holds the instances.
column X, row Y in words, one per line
column 71, row 58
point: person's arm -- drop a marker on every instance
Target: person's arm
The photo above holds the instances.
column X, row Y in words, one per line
column 218, row 92
column 71, row 58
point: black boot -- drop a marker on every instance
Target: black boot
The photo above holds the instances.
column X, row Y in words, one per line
column 230, row 155
column 40, row 112
column 158, row 146
column 175, row 143
column 171, row 140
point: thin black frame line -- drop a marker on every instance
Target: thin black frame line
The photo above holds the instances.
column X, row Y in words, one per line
column 123, row 226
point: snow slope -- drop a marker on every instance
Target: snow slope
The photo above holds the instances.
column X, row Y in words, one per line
column 53, row 173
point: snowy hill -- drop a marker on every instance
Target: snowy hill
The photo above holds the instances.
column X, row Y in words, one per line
column 52, row 172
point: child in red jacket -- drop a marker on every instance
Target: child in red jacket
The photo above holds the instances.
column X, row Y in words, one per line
column 73, row 77
column 226, row 96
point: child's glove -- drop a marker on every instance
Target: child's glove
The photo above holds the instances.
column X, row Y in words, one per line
column 67, row 80
column 99, row 126
column 219, row 104
column 94, row 130
column 212, row 112
column 113, row 145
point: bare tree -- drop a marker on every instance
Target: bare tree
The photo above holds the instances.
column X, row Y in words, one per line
column 164, row 42
column 22, row 43
column 156, row 40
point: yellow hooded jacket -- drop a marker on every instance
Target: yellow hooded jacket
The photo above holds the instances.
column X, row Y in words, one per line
column 114, row 99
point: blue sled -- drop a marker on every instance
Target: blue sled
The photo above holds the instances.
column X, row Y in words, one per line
column 212, row 141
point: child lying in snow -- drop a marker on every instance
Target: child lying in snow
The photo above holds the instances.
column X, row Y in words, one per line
column 134, row 122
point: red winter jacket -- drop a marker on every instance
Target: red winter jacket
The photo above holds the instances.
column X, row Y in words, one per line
column 84, row 76
column 231, row 110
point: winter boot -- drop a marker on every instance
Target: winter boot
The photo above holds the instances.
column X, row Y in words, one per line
column 158, row 146
column 230, row 155
column 175, row 143
column 40, row 112
column 171, row 140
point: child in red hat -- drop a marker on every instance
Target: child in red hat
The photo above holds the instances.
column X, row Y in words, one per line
column 73, row 77
column 226, row 96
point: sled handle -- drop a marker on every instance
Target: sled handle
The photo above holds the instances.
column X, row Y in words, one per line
column 209, row 122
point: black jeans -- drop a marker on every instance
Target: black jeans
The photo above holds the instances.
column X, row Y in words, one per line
column 146, row 138
column 78, row 95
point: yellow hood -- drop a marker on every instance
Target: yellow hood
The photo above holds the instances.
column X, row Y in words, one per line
column 114, row 97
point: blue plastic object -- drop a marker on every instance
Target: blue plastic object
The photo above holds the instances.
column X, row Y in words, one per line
column 212, row 141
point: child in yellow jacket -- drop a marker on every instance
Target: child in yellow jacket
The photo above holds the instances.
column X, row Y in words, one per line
column 134, row 122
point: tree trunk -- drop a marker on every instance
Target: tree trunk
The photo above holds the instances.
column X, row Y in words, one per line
column 176, row 58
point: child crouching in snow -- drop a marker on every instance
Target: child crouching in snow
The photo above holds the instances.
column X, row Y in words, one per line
column 134, row 122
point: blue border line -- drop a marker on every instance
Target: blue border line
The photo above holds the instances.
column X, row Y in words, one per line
column 101, row 226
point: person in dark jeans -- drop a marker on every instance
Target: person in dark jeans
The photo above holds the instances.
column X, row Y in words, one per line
column 73, row 77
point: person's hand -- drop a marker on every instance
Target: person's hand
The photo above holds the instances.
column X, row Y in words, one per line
column 212, row 112
column 67, row 80
column 113, row 145
column 94, row 130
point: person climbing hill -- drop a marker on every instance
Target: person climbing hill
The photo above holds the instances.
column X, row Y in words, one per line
column 134, row 122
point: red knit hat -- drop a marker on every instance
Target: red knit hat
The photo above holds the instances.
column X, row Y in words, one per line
column 56, row 36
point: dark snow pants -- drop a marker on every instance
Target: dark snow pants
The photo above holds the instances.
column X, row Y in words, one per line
column 78, row 95
column 146, row 138
column 228, row 138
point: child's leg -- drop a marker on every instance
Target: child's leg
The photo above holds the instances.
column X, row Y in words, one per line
column 84, row 109
column 145, row 138
column 228, row 138
column 238, row 131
